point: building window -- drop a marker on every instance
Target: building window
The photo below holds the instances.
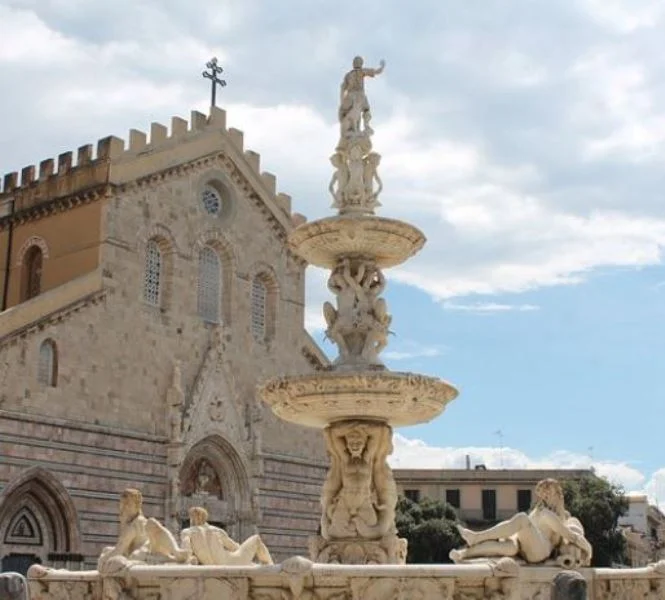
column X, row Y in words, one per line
column 489, row 505
column 259, row 304
column 209, row 285
column 523, row 500
column 47, row 367
column 32, row 273
column 413, row 495
column 211, row 200
column 153, row 273
column 453, row 498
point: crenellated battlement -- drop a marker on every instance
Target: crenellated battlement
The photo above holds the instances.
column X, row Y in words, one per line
column 118, row 161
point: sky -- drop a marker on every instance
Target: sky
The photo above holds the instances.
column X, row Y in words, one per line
column 526, row 138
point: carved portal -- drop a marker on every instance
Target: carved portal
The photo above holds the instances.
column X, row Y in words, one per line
column 359, row 325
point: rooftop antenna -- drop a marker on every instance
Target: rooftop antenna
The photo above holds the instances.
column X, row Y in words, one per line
column 215, row 70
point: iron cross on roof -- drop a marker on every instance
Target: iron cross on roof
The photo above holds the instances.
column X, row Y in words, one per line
column 215, row 70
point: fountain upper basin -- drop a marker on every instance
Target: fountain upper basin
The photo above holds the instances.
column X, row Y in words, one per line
column 321, row 243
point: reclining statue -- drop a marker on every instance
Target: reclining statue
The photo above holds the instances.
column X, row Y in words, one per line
column 210, row 545
column 141, row 539
column 547, row 532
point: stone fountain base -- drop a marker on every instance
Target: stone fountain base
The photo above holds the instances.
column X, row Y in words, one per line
column 299, row 579
column 389, row 550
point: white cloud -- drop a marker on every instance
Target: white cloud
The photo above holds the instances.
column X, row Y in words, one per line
column 626, row 16
column 655, row 488
column 409, row 350
column 416, row 454
column 489, row 307
column 485, row 175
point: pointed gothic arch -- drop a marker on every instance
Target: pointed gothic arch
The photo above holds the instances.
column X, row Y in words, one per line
column 38, row 518
column 218, row 454
column 226, row 489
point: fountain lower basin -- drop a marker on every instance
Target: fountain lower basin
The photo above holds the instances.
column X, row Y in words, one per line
column 397, row 399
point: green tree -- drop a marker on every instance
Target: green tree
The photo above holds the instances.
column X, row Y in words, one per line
column 598, row 504
column 430, row 528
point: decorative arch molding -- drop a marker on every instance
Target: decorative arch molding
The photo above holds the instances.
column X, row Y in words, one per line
column 37, row 496
column 216, row 239
column 231, row 473
column 34, row 240
column 161, row 234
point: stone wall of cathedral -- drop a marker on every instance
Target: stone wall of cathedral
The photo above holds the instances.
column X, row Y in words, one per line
column 149, row 388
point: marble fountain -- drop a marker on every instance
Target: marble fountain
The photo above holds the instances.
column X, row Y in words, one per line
column 357, row 554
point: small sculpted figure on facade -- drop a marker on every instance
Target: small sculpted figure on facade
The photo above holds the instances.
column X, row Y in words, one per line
column 359, row 494
column 546, row 532
column 141, row 539
column 353, row 103
column 210, row 545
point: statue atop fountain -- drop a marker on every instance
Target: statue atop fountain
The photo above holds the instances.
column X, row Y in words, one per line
column 358, row 401
column 353, row 183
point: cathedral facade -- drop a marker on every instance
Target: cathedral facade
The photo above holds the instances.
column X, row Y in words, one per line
column 147, row 289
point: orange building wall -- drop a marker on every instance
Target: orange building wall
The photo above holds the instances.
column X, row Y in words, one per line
column 73, row 240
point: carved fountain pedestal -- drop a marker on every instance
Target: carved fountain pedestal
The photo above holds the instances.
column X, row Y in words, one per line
column 358, row 401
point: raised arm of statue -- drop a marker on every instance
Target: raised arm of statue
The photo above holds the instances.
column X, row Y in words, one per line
column 333, row 481
column 374, row 72
column 374, row 440
column 338, row 446
column 570, row 530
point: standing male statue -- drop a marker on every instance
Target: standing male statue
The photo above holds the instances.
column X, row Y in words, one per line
column 353, row 102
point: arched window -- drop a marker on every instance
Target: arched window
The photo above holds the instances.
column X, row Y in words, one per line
column 32, row 273
column 259, row 305
column 47, row 367
column 209, row 286
column 153, row 273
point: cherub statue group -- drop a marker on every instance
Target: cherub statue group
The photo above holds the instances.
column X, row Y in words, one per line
column 352, row 183
column 146, row 540
column 359, row 325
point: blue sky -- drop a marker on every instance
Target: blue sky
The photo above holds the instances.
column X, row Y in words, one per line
column 526, row 138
